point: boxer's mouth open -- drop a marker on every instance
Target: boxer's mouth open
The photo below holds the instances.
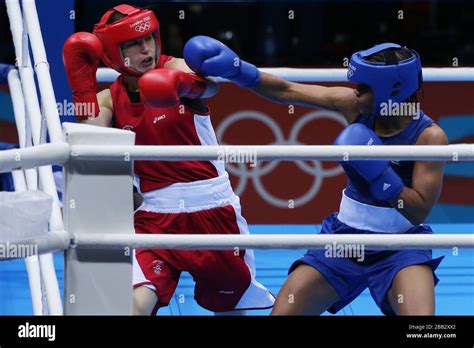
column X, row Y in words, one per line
column 147, row 61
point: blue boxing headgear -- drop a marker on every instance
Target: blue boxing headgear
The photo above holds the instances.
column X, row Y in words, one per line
column 389, row 80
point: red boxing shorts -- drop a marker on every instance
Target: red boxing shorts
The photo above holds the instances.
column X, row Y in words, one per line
column 225, row 280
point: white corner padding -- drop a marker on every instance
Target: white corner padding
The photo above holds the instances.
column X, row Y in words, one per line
column 24, row 215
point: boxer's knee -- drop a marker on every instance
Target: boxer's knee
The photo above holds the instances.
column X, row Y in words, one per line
column 144, row 301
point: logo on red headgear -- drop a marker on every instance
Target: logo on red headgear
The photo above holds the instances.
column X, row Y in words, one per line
column 143, row 27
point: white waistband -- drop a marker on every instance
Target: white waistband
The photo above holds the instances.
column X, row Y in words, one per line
column 371, row 218
column 188, row 197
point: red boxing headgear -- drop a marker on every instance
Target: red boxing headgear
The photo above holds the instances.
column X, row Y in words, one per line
column 137, row 24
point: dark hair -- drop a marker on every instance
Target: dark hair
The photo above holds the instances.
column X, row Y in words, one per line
column 114, row 17
column 391, row 56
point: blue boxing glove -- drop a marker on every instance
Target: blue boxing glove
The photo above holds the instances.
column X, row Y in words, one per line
column 209, row 57
column 385, row 184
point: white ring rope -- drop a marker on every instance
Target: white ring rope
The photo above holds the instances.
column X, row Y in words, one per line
column 45, row 84
column 30, row 157
column 448, row 153
column 275, row 241
column 60, row 152
column 61, row 241
column 57, row 241
column 331, row 75
column 24, row 24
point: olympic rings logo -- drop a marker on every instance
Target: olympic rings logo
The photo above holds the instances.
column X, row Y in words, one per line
column 254, row 174
column 351, row 70
column 143, row 27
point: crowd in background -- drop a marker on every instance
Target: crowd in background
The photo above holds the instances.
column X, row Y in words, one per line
column 304, row 34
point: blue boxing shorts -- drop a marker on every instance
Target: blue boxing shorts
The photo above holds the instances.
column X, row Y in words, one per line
column 350, row 276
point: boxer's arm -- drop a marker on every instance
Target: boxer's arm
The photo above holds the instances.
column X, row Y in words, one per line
column 177, row 63
column 278, row 90
column 415, row 203
column 211, row 85
column 104, row 119
column 82, row 52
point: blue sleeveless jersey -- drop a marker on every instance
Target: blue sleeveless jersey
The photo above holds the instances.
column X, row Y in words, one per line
column 358, row 188
column 373, row 269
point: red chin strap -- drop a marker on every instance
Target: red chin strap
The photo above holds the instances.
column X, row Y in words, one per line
column 136, row 24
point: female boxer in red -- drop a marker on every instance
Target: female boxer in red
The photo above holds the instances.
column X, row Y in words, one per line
column 159, row 98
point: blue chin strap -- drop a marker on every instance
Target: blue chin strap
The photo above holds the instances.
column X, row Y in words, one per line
column 395, row 82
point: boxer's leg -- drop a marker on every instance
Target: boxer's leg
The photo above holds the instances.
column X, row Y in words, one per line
column 305, row 292
column 154, row 282
column 412, row 291
column 402, row 283
column 144, row 301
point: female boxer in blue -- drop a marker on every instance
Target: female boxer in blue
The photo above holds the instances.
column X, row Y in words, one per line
column 380, row 197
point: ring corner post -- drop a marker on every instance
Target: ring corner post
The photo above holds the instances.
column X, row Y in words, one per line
column 97, row 201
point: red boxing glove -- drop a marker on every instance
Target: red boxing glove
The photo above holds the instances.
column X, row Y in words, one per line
column 163, row 87
column 81, row 56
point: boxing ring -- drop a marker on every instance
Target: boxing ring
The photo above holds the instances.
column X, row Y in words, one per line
column 95, row 226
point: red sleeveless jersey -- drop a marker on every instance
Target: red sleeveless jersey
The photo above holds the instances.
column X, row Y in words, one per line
column 164, row 126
